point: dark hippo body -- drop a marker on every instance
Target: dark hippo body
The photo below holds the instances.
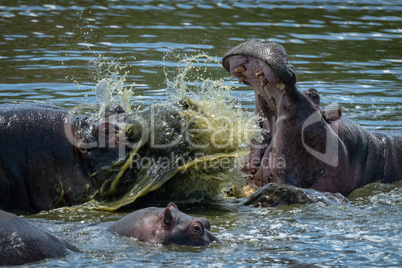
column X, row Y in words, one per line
column 305, row 145
column 21, row 242
column 47, row 155
column 51, row 158
column 164, row 226
column 273, row 194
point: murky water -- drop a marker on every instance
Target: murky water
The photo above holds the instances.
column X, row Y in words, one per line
column 349, row 51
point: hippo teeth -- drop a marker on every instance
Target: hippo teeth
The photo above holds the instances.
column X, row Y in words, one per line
column 240, row 69
column 241, row 79
column 280, row 85
column 259, row 73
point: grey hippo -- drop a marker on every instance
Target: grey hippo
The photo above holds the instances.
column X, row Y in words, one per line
column 305, row 145
column 22, row 242
column 163, row 226
column 47, row 155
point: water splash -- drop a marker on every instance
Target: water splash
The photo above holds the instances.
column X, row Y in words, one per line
column 201, row 130
column 111, row 85
column 213, row 97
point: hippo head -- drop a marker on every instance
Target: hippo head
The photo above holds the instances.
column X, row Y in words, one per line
column 99, row 140
column 165, row 226
column 300, row 146
column 183, row 229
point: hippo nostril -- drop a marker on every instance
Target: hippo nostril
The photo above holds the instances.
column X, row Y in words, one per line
column 240, row 69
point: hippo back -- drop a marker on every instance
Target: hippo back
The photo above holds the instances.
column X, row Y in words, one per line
column 391, row 142
column 36, row 157
column 22, row 242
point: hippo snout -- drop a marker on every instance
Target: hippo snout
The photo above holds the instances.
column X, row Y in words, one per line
column 210, row 238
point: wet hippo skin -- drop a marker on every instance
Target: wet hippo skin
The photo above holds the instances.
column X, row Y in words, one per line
column 47, row 155
column 22, row 242
column 303, row 144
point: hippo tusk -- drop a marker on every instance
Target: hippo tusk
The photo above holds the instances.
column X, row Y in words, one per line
column 241, row 79
column 240, row 69
column 280, row 85
column 259, row 73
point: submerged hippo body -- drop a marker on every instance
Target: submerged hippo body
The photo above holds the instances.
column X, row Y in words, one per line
column 273, row 194
column 21, row 242
column 164, row 226
column 305, row 145
column 47, row 155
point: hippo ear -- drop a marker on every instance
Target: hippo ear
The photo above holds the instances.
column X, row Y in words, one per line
column 312, row 93
column 167, row 217
column 172, row 205
column 331, row 115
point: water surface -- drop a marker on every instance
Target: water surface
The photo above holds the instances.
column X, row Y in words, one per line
column 349, row 51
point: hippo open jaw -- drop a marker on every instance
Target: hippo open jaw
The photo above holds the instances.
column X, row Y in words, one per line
column 304, row 144
column 265, row 68
column 259, row 76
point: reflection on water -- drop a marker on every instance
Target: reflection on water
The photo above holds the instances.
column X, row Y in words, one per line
column 349, row 51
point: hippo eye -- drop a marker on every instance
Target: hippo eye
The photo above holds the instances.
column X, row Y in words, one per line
column 313, row 95
column 197, row 228
column 106, row 132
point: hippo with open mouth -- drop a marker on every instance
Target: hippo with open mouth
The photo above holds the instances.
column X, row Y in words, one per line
column 305, row 145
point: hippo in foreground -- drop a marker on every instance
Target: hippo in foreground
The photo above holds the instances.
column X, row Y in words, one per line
column 22, row 242
column 305, row 145
column 163, row 226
